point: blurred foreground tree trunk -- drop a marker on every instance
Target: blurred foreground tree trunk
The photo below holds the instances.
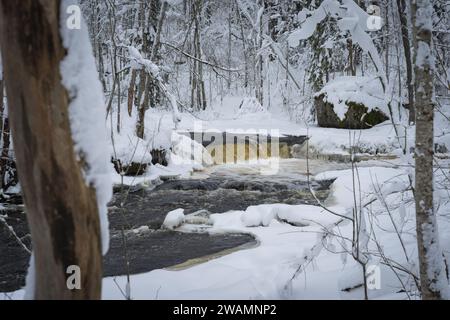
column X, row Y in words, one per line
column 61, row 208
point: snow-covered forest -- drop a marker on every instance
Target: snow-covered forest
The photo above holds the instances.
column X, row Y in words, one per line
column 233, row 149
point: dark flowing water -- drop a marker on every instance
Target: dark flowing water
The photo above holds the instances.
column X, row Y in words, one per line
column 136, row 216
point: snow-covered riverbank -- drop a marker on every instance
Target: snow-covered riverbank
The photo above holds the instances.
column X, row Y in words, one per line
column 303, row 251
column 293, row 239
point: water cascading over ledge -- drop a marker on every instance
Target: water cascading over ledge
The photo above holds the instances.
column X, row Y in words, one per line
column 227, row 147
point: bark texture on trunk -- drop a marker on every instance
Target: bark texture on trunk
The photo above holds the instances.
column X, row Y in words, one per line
column 61, row 209
column 433, row 279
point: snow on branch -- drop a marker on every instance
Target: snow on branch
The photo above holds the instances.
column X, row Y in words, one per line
column 138, row 63
column 350, row 17
column 210, row 64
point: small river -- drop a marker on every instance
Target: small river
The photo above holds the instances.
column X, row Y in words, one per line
column 136, row 216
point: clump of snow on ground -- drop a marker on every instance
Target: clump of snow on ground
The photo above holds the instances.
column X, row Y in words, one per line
column 255, row 216
column 128, row 148
column 87, row 114
column 174, row 219
column 160, row 138
column 302, row 215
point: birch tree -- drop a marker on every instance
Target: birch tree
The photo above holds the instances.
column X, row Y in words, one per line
column 433, row 279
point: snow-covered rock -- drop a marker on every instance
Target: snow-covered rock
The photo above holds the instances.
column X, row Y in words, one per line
column 351, row 103
column 141, row 230
column 131, row 154
column 174, row 219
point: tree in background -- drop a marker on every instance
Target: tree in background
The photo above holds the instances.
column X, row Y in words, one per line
column 8, row 172
column 406, row 42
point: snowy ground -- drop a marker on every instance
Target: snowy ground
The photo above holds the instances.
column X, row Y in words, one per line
column 306, row 241
column 264, row 272
column 288, row 236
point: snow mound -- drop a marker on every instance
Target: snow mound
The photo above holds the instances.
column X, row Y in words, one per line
column 129, row 148
column 160, row 139
column 364, row 90
column 190, row 152
column 298, row 215
column 256, row 216
column 174, row 219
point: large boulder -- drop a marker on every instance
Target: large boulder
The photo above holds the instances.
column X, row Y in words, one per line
column 351, row 103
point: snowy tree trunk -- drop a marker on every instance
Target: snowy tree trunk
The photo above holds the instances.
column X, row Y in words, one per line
column 62, row 209
column 432, row 269
column 5, row 160
column 151, row 86
column 131, row 92
column 402, row 11
column 143, row 25
column 198, row 93
column 260, row 57
column 2, row 106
